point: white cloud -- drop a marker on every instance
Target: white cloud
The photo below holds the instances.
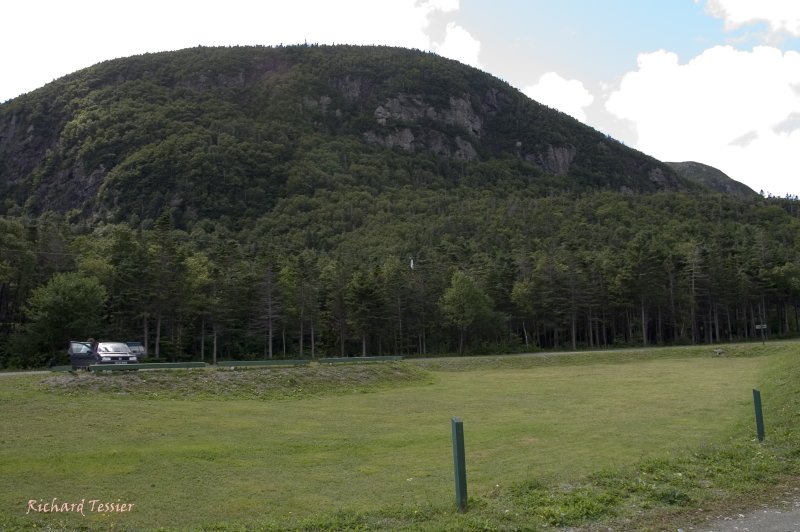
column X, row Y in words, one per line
column 442, row 5
column 458, row 44
column 731, row 109
column 781, row 15
column 568, row 96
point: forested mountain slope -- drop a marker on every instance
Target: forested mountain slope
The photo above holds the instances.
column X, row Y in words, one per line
column 711, row 178
column 210, row 132
column 310, row 201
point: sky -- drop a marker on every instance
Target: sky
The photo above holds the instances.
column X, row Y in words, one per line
column 712, row 81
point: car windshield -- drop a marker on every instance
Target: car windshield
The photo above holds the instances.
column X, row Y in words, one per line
column 80, row 347
column 112, row 347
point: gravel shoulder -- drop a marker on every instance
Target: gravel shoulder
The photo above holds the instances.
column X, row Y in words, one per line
column 782, row 515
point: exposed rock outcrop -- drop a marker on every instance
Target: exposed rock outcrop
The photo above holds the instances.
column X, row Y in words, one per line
column 557, row 160
column 493, row 102
column 410, row 108
column 462, row 114
column 400, row 138
column 403, row 108
column 430, row 140
column 350, row 88
column 30, row 144
column 657, row 176
column 466, row 151
column 320, row 103
column 71, row 187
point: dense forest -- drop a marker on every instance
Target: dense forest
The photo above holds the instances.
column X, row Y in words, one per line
column 410, row 272
column 340, row 201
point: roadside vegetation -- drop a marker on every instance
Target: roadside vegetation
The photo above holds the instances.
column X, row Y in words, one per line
column 630, row 439
column 225, row 384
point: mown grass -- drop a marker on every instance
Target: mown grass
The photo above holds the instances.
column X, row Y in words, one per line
column 611, row 356
column 634, row 439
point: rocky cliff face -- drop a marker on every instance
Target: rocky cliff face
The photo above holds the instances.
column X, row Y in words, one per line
column 19, row 135
column 663, row 179
column 399, row 120
column 412, row 108
column 555, row 160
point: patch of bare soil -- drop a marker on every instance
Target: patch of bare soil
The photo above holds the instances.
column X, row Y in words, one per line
column 257, row 383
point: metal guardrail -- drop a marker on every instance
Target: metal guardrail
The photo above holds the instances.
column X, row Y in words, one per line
column 232, row 363
column 357, row 360
column 304, row 361
column 257, row 363
column 147, row 365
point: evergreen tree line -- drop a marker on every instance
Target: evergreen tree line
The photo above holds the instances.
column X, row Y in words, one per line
column 407, row 272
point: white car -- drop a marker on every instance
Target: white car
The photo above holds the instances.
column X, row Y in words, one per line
column 114, row 353
column 84, row 354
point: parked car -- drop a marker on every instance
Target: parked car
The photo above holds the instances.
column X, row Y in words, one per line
column 84, row 354
column 114, row 353
column 80, row 354
column 137, row 348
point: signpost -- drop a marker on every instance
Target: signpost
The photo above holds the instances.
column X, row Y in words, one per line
column 761, row 327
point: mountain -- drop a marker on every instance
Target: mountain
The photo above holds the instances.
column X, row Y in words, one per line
column 711, row 178
column 207, row 133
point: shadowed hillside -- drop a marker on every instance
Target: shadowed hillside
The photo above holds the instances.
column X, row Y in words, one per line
column 711, row 178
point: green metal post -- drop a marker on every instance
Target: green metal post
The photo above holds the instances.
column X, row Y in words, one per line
column 759, row 415
column 460, row 464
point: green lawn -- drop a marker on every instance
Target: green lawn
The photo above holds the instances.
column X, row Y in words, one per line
column 199, row 460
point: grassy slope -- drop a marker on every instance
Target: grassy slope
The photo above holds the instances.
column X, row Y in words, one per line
column 550, row 440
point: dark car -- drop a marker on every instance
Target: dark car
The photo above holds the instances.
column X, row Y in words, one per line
column 84, row 354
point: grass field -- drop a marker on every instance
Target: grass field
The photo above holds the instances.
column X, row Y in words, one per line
column 551, row 440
